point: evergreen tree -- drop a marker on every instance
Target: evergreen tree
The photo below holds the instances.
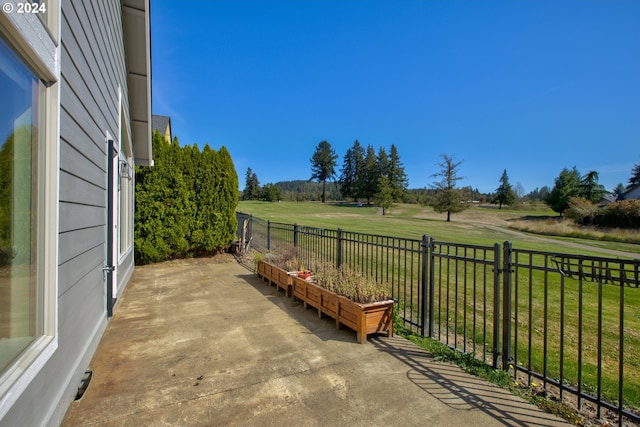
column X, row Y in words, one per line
column 351, row 167
column 323, row 163
column 270, row 193
column 368, row 179
column 384, row 195
column 381, row 170
column 185, row 204
column 228, row 190
column 504, row 193
column 590, row 189
column 635, row 175
column 208, row 200
column 566, row 186
column 162, row 231
column 618, row 191
column 382, row 164
column 251, row 187
column 397, row 176
column 448, row 198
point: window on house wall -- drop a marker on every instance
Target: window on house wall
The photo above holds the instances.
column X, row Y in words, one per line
column 125, row 188
column 45, row 10
column 21, row 200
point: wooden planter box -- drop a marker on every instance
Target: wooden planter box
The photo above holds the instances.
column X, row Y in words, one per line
column 264, row 270
column 283, row 280
column 299, row 288
column 363, row 318
column 366, row 318
column 275, row 275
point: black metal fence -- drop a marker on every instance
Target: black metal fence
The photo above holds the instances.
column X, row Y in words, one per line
column 570, row 323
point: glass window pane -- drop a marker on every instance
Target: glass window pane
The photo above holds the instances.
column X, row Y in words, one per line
column 125, row 190
column 20, row 293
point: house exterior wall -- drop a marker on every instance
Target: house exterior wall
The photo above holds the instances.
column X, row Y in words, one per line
column 91, row 85
column 162, row 124
column 633, row 193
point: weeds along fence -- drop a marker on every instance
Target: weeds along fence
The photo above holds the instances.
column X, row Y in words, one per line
column 567, row 323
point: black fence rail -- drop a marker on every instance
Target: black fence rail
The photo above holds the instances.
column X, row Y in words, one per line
column 556, row 321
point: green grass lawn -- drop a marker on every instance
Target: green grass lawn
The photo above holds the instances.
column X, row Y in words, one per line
column 474, row 226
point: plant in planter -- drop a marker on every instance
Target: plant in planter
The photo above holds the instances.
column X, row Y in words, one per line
column 348, row 297
column 275, row 268
column 257, row 257
column 296, row 267
column 350, row 283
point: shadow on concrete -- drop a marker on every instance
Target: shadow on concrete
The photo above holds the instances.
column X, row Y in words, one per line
column 322, row 326
column 461, row 391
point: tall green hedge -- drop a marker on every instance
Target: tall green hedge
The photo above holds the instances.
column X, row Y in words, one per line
column 185, row 203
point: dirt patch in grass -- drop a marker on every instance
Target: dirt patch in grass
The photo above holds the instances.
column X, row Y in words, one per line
column 480, row 215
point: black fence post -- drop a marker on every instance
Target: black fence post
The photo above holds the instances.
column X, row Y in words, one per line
column 339, row 248
column 506, row 314
column 268, row 234
column 432, row 287
column 424, row 246
column 295, row 235
column 250, row 227
column 497, row 308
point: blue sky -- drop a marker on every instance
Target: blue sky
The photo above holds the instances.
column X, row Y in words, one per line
column 530, row 86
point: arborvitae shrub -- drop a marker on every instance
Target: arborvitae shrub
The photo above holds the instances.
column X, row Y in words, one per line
column 185, row 203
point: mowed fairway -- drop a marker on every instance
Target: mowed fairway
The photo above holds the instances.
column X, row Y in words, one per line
column 478, row 225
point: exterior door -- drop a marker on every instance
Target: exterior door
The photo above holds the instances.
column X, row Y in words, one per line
column 111, row 240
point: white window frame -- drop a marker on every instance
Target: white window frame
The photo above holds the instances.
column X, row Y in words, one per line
column 36, row 43
column 125, row 154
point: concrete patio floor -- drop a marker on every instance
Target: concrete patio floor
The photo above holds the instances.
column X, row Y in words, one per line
column 204, row 342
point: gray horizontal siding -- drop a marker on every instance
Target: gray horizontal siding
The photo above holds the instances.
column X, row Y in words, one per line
column 79, row 126
column 92, row 53
column 86, row 302
column 75, row 163
column 79, row 39
column 77, row 217
column 76, row 190
column 75, row 96
column 75, row 243
column 71, row 272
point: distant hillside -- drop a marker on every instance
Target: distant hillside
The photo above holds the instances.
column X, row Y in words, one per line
column 301, row 190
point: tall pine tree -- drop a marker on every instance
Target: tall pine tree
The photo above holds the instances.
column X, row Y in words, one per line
column 323, row 163
column 566, row 186
column 351, row 167
column 590, row 189
column 635, row 175
column 396, row 174
column 448, row 198
column 251, row 186
column 368, row 179
column 505, row 194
